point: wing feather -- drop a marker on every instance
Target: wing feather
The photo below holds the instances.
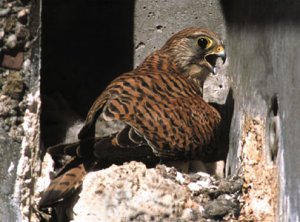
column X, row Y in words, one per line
column 168, row 119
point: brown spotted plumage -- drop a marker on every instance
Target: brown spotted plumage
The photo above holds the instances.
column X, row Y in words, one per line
column 158, row 105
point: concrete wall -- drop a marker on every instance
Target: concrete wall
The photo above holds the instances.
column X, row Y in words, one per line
column 263, row 44
column 156, row 21
column 19, row 107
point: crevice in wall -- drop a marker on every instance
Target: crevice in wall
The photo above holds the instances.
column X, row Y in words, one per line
column 274, row 129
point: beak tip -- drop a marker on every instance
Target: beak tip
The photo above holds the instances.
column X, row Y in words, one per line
column 224, row 59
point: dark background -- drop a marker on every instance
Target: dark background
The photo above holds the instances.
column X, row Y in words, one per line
column 85, row 44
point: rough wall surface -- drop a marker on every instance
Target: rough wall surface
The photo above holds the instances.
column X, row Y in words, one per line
column 19, row 107
column 155, row 21
column 263, row 43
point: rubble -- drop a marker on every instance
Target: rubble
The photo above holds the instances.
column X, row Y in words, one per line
column 19, row 120
column 14, row 34
column 132, row 192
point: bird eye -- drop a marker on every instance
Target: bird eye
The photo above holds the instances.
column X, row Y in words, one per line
column 204, row 43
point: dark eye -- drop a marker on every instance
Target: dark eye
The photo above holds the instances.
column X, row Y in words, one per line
column 203, row 43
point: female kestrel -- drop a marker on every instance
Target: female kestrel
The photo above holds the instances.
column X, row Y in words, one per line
column 158, row 105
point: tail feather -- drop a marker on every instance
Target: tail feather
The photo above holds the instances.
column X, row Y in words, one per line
column 87, row 153
column 60, row 149
column 67, row 182
column 72, row 149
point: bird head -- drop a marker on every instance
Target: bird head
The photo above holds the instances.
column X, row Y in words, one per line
column 195, row 52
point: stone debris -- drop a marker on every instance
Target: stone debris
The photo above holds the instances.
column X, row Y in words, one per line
column 14, row 34
column 14, row 86
column 29, row 166
column 13, row 61
column 132, row 192
column 19, row 117
column 222, row 206
column 11, row 41
column 23, row 16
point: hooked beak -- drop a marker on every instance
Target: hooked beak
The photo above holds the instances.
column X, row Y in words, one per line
column 212, row 57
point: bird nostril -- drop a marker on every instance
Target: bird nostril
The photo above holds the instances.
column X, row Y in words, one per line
column 220, row 49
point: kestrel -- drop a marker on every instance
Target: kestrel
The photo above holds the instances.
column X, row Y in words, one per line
column 158, row 106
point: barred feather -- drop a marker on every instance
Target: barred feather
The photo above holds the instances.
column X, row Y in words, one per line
column 157, row 106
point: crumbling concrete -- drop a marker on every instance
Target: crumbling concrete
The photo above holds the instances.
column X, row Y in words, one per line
column 263, row 44
column 19, row 107
column 157, row 194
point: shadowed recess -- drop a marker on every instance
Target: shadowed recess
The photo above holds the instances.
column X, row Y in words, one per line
column 86, row 44
column 256, row 13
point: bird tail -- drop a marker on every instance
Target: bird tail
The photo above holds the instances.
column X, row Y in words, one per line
column 88, row 154
column 69, row 179
column 66, row 183
column 63, row 149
